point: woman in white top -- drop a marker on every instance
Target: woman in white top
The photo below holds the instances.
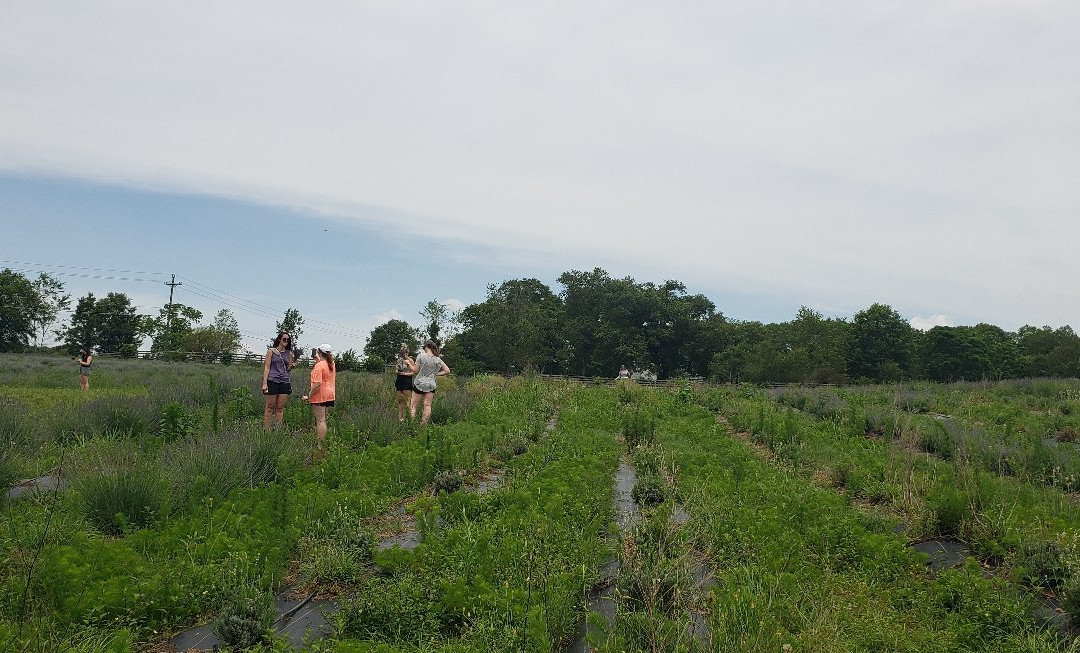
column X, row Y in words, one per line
column 425, row 368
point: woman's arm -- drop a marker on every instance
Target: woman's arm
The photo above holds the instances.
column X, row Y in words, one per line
column 445, row 371
column 289, row 362
column 414, row 367
column 314, row 391
column 266, row 368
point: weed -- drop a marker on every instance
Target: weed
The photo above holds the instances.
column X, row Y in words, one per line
column 639, row 427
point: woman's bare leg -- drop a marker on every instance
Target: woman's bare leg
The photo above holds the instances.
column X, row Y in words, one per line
column 414, row 401
column 402, row 399
column 320, row 423
column 427, row 408
column 279, row 409
column 268, row 411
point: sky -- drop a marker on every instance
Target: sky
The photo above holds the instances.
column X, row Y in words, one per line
column 356, row 159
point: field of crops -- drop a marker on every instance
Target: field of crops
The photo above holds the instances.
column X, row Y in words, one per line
column 534, row 516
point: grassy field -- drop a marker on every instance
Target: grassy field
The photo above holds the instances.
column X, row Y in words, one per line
column 770, row 520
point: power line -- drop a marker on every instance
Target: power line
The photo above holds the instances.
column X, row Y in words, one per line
column 200, row 289
column 85, row 276
column 77, row 267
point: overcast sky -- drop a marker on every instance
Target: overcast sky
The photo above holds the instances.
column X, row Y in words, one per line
column 769, row 155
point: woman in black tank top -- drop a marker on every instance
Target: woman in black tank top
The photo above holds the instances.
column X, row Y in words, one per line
column 403, row 381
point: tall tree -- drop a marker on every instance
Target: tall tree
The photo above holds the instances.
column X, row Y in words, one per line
column 518, row 327
column 385, row 340
column 18, row 305
column 51, row 299
column 217, row 341
column 109, row 325
column 172, row 327
column 1049, row 352
column 439, row 321
column 293, row 324
column 881, row 342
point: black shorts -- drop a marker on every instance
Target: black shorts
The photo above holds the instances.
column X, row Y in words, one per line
column 421, row 392
column 275, row 388
column 324, row 403
column 403, row 382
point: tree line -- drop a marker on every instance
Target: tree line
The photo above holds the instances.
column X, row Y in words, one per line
column 594, row 324
column 597, row 323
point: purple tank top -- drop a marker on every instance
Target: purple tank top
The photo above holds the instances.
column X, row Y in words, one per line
column 279, row 372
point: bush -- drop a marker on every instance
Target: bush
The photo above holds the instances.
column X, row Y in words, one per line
column 247, row 613
column 649, row 490
column 447, row 481
column 121, row 489
column 217, row 463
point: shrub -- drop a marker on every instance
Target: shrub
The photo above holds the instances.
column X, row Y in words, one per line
column 447, row 481
column 1066, row 434
column 649, row 490
column 243, row 455
column 247, row 613
column 121, row 488
column 175, row 421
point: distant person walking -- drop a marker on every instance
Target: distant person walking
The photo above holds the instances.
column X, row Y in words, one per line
column 623, row 373
column 85, row 359
column 322, row 393
column 276, row 384
column 427, row 366
column 403, row 384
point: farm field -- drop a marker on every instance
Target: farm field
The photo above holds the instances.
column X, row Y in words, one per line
column 535, row 515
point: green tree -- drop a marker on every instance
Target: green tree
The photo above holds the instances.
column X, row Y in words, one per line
column 385, row 340
column 18, row 305
column 817, row 347
column 171, row 329
column 1049, row 352
column 217, row 341
column 293, row 324
column 517, row 328
column 51, row 299
column 109, row 325
column 439, row 321
column 880, row 345
column 954, row 354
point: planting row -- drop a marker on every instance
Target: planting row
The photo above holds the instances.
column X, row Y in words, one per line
column 1027, row 534
column 155, row 531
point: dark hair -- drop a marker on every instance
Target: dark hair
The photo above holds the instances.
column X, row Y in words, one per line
column 280, row 335
column 432, row 345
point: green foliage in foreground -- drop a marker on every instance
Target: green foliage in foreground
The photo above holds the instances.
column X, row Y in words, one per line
column 508, row 568
column 157, row 520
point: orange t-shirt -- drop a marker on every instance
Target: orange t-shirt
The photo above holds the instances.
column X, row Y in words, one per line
column 322, row 375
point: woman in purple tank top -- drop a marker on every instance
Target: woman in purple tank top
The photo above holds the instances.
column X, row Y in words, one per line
column 276, row 384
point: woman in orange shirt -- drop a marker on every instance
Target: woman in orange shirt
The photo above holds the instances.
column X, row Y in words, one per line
column 323, row 377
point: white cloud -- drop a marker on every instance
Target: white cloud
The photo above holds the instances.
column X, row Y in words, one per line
column 926, row 323
column 453, row 304
column 851, row 154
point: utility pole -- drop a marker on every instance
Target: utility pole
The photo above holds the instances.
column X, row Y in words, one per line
column 169, row 308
